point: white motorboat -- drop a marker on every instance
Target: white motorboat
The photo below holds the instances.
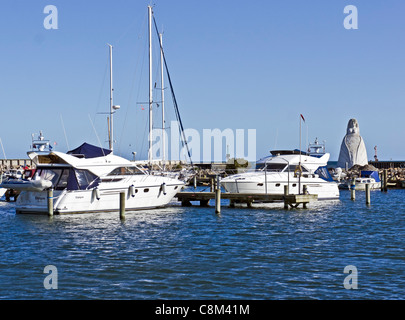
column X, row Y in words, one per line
column 90, row 179
column 290, row 168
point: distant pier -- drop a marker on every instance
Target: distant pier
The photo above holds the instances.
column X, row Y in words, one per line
column 15, row 163
column 388, row 164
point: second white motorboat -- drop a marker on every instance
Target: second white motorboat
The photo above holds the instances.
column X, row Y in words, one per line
column 290, row 168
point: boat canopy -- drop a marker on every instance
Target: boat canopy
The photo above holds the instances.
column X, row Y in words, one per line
column 324, row 174
column 370, row 174
column 87, row 151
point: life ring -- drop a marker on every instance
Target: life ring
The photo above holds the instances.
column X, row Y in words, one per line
column 297, row 169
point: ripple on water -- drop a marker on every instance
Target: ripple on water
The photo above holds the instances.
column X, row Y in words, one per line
column 191, row 253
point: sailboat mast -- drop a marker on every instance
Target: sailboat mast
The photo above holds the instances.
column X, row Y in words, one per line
column 110, row 131
column 163, row 100
column 150, row 85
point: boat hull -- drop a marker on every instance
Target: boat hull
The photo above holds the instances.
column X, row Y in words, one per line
column 104, row 200
column 325, row 190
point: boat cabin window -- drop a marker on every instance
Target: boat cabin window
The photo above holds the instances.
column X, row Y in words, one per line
column 125, row 171
column 62, row 178
column 292, row 168
column 62, row 183
column 84, row 178
column 58, row 177
column 271, row 167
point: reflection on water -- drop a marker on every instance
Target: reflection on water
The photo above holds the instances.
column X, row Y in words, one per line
column 177, row 252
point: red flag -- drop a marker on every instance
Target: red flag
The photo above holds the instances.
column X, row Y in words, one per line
column 142, row 108
column 302, row 117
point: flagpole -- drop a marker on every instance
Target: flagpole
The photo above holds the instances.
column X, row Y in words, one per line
column 300, row 139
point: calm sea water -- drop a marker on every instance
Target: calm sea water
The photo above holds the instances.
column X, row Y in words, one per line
column 192, row 253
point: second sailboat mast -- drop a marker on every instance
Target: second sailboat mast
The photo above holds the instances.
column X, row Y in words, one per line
column 150, row 86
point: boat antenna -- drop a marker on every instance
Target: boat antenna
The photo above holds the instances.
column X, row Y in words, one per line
column 64, row 132
column 176, row 108
column 2, row 147
column 299, row 165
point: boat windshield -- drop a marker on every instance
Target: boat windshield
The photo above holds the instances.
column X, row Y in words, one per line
column 271, row 167
column 292, row 168
column 125, row 171
column 279, row 167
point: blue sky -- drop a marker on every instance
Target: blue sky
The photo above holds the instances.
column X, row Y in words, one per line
column 234, row 64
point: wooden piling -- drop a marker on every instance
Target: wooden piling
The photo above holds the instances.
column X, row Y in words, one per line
column 385, row 180
column 368, row 194
column 122, row 205
column 217, row 197
column 195, row 181
column 353, row 190
column 217, row 200
column 381, row 181
column 50, row 202
column 304, row 189
column 286, row 192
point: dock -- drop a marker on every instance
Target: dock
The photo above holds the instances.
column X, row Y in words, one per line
column 289, row 200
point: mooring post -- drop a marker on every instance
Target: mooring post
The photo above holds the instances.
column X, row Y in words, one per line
column 353, row 190
column 195, row 181
column 122, row 205
column 218, row 197
column 286, row 191
column 212, row 189
column 381, row 181
column 304, row 189
column 368, row 194
column 50, row 202
column 385, row 180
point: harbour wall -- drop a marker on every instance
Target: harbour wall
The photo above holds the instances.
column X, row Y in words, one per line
column 6, row 164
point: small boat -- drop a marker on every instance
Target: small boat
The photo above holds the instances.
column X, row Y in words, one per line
column 8, row 177
column 366, row 177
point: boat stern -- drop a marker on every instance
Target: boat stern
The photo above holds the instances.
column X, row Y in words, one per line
column 32, row 202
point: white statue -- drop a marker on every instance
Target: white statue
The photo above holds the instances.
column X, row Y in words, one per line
column 353, row 150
